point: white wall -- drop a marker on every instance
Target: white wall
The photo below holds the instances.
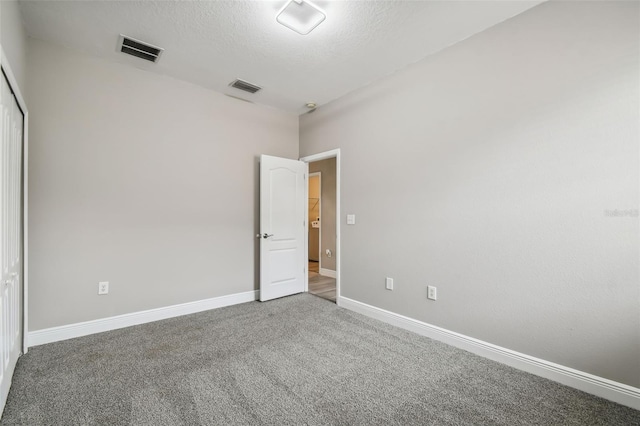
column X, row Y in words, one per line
column 13, row 40
column 141, row 180
column 488, row 170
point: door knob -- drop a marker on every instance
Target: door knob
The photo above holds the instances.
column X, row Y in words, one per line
column 265, row 235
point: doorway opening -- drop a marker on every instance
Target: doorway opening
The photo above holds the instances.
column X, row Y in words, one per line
column 314, row 212
column 322, row 236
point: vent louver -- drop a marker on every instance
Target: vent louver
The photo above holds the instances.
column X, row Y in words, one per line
column 139, row 48
column 245, row 85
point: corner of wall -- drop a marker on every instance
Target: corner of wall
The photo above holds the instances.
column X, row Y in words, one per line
column 13, row 39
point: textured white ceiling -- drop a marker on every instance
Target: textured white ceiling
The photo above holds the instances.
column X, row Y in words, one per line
column 211, row 43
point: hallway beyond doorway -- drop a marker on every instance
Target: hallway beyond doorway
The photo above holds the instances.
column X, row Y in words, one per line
column 320, row 285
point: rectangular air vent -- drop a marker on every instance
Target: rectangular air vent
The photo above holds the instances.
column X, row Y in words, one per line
column 139, row 48
column 245, row 85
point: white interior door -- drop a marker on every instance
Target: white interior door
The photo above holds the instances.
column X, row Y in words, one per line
column 11, row 120
column 282, row 227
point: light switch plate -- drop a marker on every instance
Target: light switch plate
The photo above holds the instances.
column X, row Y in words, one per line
column 389, row 283
column 351, row 219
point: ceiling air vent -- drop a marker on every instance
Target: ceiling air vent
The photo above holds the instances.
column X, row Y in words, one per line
column 139, row 49
column 246, row 86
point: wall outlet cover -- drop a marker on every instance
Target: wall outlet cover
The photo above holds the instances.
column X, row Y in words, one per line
column 103, row 287
column 432, row 292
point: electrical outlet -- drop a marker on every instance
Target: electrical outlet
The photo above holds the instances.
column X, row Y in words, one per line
column 389, row 283
column 103, row 287
column 432, row 292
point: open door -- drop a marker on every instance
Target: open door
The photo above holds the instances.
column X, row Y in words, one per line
column 11, row 130
column 282, row 227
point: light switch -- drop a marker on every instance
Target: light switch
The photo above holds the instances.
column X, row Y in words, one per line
column 389, row 283
column 351, row 219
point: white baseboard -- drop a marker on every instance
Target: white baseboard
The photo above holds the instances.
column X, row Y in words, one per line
column 328, row 272
column 64, row 332
column 604, row 388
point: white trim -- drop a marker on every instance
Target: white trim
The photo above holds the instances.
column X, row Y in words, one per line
column 306, row 234
column 604, row 388
column 323, row 156
column 64, row 332
column 4, row 64
column 327, row 272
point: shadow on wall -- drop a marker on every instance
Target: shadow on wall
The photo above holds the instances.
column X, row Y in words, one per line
column 256, row 222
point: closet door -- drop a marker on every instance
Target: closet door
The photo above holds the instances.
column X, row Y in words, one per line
column 11, row 128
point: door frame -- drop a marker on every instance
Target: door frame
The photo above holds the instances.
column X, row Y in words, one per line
column 334, row 153
column 13, row 83
column 319, row 174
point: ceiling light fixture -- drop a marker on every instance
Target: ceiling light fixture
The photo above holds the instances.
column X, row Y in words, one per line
column 301, row 16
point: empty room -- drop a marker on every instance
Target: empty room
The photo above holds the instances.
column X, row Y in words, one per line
column 320, row 212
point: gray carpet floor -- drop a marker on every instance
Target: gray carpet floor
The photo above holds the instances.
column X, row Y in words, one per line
column 299, row 360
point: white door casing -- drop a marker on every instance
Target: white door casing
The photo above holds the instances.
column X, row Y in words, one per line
column 282, row 227
column 11, row 146
column 335, row 153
